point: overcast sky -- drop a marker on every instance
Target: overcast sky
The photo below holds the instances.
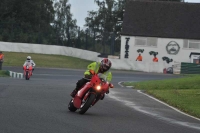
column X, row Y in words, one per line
column 79, row 9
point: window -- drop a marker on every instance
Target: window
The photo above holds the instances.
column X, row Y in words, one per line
column 142, row 41
column 192, row 44
column 152, row 41
column 185, row 43
column 146, row 41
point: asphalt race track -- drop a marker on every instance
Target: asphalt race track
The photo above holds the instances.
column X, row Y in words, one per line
column 40, row 106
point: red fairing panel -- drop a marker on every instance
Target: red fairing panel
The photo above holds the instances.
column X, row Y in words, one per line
column 78, row 98
column 77, row 102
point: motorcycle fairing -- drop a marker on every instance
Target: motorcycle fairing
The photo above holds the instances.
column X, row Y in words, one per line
column 80, row 94
column 29, row 69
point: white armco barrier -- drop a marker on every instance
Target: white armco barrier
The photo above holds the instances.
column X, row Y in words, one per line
column 16, row 75
column 48, row 49
column 120, row 64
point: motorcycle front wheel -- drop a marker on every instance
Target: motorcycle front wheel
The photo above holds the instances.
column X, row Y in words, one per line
column 85, row 106
column 71, row 106
column 27, row 75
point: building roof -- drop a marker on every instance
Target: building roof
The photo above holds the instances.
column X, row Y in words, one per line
column 162, row 19
column 193, row 53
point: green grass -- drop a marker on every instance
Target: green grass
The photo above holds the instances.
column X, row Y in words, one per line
column 182, row 93
column 4, row 73
column 43, row 60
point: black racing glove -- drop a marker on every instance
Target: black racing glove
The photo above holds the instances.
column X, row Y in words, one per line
column 88, row 76
column 107, row 92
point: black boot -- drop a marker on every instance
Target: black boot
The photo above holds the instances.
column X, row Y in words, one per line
column 74, row 92
column 102, row 97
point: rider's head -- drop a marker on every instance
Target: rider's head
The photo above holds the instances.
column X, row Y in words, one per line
column 105, row 65
column 28, row 58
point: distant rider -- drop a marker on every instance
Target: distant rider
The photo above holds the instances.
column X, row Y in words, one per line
column 1, row 59
column 102, row 68
column 28, row 60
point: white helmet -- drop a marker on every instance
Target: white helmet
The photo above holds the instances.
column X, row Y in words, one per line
column 28, row 57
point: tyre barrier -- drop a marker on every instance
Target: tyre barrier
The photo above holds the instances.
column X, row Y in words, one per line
column 16, row 75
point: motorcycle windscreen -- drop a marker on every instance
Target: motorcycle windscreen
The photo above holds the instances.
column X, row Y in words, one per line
column 28, row 66
column 103, row 76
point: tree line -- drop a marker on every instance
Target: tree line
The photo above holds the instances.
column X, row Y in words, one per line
column 36, row 21
column 50, row 22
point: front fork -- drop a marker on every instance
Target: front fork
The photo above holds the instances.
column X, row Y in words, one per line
column 98, row 96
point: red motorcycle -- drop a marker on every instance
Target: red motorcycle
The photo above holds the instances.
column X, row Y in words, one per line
column 89, row 94
column 27, row 71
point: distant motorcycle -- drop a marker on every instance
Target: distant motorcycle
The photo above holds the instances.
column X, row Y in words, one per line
column 27, row 71
column 89, row 94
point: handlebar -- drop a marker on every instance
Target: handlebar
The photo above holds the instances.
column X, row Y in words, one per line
column 102, row 80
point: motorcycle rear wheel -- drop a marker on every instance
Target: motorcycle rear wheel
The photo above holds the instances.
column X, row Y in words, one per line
column 71, row 106
column 88, row 103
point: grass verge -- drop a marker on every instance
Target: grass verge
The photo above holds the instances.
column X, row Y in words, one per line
column 43, row 60
column 4, row 73
column 182, row 93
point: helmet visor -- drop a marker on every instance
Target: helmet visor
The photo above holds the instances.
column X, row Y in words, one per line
column 106, row 67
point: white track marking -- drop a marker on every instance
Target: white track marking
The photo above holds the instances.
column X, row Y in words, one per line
column 167, row 105
column 119, row 83
column 161, row 102
column 134, row 106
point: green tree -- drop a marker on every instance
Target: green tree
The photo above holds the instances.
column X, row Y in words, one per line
column 103, row 23
column 25, row 20
column 65, row 26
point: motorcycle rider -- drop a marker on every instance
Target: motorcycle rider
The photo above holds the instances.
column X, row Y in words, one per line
column 28, row 60
column 1, row 59
column 102, row 68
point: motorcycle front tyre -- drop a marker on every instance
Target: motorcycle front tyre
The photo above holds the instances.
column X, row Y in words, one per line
column 88, row 103
column 71, row 106
column 27, row 75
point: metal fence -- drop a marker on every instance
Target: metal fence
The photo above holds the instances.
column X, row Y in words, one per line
column 190, row 68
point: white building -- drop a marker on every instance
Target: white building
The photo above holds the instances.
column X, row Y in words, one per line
column 170, row 28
